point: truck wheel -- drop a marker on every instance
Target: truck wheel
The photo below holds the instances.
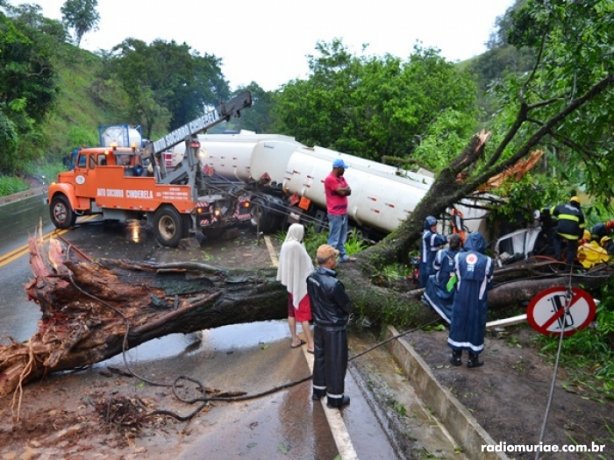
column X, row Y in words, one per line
column 61, row 213
column 262, row 218
column 168, row 226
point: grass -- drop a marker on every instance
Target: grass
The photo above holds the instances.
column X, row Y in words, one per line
column 42, row 171
column 588, row 358
column 312, row 240
column 10, row 185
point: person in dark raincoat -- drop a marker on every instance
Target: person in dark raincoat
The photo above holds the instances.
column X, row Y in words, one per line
column 569, row 228
column 439, row 291
column 474, row 271
column 331, row 308
column 430, row 244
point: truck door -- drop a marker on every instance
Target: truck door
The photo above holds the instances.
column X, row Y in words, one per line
column 85, row 176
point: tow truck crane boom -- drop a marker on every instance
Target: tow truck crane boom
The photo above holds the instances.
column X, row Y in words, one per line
column 187, row 133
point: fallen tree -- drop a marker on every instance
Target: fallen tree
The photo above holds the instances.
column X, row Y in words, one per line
column 93, row 310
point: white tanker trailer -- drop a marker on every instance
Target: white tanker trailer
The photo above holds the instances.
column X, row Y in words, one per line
column 382, row 195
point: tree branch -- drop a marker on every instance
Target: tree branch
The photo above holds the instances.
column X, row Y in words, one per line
column 546, row 128
column 523, row 113
column 535, row 67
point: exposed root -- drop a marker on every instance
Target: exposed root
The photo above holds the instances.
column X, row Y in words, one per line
column 18, row 393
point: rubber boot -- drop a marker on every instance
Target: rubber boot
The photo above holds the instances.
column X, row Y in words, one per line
column 455, row 359
column 474, row 360
column 338, row 403
column 317, row 395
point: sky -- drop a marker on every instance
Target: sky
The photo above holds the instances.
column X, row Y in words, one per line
column 268, row 41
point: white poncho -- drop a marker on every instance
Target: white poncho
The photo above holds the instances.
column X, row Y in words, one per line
column 294, row 264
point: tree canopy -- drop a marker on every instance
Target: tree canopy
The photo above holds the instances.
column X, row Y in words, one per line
column 80, row 15
column 562, row 105
column 258, row 118
column 371, row 106
column 166, row 78
column 28, row 86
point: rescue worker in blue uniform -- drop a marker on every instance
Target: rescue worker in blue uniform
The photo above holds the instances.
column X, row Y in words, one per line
column 330, row 308
column 569, row 228
column 439, row 291
column 474, row 271
column 431, row 243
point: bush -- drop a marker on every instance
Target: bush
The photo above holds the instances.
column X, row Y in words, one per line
column 10, row 185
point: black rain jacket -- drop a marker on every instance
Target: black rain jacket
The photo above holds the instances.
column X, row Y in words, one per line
column 330, row 304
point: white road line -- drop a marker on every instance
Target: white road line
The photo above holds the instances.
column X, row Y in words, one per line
column 335, row 422
column 271, row 249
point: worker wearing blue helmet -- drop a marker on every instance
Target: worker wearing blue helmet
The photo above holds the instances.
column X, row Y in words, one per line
column 430, row 244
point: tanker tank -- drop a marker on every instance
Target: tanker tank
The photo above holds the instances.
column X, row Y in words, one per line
column 378, row 200
column 120, row 136
column 382, row 195
column 247, row 156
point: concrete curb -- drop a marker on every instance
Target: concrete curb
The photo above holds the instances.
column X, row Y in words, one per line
column 21, row 195
column 459, row 422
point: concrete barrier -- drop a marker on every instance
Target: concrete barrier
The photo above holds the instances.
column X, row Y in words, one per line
column 459, row 422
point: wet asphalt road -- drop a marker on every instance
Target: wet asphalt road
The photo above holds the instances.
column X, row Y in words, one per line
column 248, row 357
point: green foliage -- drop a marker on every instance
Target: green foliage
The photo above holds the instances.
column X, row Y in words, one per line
column 355, row 242
column 8, row 143
column 43, row 170
column 27, row 83
column 80, row 15
column 371, row 106
column 258, row 117
column 165, row 79
column 395, row 272
column 571, row 43
column 31, row 15
column 444, row 139
column 313, row 239
column 10, row 185
column 80, row 136
column 534, row 191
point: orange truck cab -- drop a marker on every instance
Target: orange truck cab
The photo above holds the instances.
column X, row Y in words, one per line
column 114, row 182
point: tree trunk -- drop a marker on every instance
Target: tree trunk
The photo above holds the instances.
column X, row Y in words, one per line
column 447, row 190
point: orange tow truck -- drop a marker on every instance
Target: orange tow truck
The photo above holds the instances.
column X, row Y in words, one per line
column 122, row 183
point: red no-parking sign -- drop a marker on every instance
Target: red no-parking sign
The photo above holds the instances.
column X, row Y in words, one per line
column 556, row 309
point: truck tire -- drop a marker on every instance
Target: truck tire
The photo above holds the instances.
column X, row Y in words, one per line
column 263, row 218
column 168, row 226
column 62, row 215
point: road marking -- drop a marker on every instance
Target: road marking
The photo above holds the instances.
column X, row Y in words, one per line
column 271, row 249
column 21, row 251
column 335, row 422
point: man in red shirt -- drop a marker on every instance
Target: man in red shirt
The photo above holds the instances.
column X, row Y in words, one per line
column 337, row 191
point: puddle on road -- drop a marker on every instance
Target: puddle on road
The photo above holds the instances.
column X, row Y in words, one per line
column 221, row 339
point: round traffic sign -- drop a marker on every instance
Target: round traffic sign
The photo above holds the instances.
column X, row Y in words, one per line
column 558, row 309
